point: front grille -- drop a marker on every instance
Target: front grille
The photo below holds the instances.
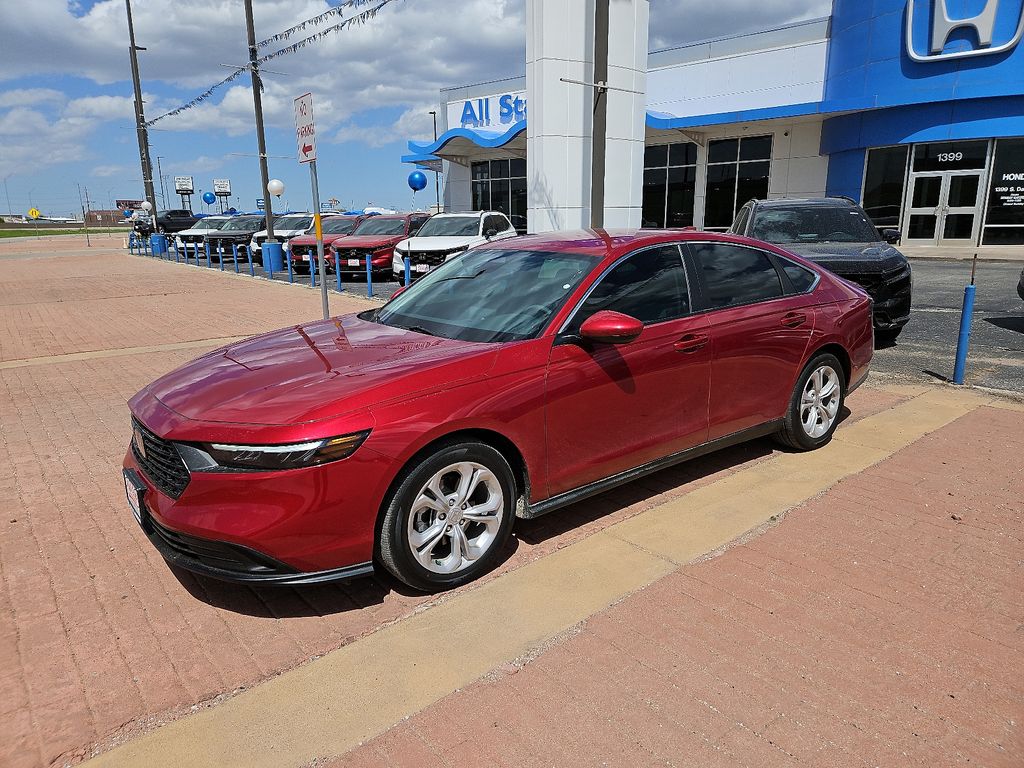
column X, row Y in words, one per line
column 161, row 462
column 881, row 284
column 212, row 554
column 433, row 258
column 303, row 250
column 353, row 253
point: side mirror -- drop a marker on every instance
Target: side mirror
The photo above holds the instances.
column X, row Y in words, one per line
column 492, row 232
column 607, row 327
column 892, row 236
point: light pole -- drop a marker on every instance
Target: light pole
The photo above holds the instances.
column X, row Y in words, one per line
column 261, row 139
column 140, row 117
column 163, row 189
column 437, row 180
column 8, row 195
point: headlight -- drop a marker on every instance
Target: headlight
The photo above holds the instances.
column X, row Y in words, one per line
column 270, row 457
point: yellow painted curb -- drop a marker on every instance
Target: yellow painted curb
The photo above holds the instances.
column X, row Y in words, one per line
column 329, row 706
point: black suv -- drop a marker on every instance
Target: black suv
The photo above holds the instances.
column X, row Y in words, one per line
column 836, row 233
column 238, row 231
column 175, row 220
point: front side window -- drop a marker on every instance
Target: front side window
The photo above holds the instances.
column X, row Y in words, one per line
column 497, row 223
column 489, row 295
column 244, row 224
column 736, row 275
column 286, row 223
column 649, row 285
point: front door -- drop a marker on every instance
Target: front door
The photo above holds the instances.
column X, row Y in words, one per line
column 943, row 209
column 611, row 408
column 946, row 193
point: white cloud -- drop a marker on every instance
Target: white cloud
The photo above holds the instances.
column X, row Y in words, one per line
column 29, row 97
column 107, row 171
column 102, row 107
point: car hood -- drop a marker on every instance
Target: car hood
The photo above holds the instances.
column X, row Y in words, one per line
column 233, row 234
column 197, row 231
column 281, row 233
column 371, row 241
column 316, row 371
column 439, row 243
column 846, row 257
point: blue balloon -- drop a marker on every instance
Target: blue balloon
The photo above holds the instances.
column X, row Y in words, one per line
column 127, row 213
column 417, row 181
column 209, row 198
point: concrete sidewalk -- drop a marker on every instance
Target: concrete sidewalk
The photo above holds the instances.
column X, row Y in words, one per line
column 879, row 622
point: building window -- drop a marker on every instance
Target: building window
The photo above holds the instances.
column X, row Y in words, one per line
column 738, row 172
column 670, row 185
column 500, row 185
column 884, row 184
column 1004, row 222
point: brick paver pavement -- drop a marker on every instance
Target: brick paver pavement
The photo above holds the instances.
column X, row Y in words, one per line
column 99, row 639
column 880, row 624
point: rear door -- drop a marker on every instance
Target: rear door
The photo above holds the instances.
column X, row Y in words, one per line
column 760, row 326
column 611, row 408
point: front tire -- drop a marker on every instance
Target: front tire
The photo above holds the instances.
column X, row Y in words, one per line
column 814, row 408
column 449, row 517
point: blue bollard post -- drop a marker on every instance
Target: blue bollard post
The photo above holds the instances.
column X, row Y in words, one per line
column 208, row 263
column 964, row 343
column 248, row 256
column 234, row 255
column 197, row 254
column 408, row 271
column 337, row 268
column 288, row 262
column 369, row 277
column 220, row 253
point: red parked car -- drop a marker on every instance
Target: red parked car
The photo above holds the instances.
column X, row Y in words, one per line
column 302, row 249
column 376, row 237
column 516, row 379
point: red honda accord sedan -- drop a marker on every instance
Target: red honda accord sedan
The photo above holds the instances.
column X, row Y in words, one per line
column 516, row 379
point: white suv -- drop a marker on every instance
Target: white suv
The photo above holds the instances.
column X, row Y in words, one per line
column 446, row 235
column 194, row 236
column 286, row 226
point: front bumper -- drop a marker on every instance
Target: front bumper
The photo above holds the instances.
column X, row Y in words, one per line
column 282, row 527
column 891, row 292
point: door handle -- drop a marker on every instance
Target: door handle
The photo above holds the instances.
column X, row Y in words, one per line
column 691, row 342
column 794, row 319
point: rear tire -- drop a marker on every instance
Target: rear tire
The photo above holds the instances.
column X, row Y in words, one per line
column 814, row 408
column 449, row 518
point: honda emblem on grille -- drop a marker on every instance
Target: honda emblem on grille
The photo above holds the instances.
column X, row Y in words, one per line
column 140, row 444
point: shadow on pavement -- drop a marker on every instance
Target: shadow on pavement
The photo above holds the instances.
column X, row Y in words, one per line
column 1015, row 324
column 326, row 599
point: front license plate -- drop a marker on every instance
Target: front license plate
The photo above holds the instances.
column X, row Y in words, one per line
column 420, row 267
column 134, row 489
column 305, row 258
column 354, row 263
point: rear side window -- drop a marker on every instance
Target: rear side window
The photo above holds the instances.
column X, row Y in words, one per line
column 497, row 223
column 650, row 286
column 801, row 278
column 736, row 275
column 740, row 225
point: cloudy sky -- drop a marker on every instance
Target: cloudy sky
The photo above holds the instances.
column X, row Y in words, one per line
column 66, row 113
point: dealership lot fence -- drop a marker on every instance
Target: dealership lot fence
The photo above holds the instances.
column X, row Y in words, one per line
column 240, row 260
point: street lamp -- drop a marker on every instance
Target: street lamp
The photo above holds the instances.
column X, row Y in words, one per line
column 437, row 181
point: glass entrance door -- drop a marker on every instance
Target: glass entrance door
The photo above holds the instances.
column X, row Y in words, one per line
column 943, row 208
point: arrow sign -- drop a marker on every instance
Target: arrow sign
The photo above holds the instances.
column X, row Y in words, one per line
column 305, row 130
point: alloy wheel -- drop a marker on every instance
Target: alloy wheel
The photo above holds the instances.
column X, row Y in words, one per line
column 455, row 517
column 819, row 404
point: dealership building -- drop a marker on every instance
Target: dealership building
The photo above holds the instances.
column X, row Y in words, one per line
column 914, row 108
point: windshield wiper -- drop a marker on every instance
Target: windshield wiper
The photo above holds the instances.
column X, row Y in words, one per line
column 421, row 329
column 462, row 277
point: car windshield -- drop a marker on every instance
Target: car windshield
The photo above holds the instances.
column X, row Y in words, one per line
column 294, row 222
column 243, row 223
column 381, row 226
column 211, row 225
column 450, row 226
column 813, row 224
column 489, row 295
column 339, row 225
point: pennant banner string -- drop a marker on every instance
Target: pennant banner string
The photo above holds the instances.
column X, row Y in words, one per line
column 360, row 18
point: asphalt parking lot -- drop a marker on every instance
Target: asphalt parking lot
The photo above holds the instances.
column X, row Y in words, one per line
column 927, row 346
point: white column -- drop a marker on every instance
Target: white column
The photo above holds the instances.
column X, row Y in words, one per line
column 627, row 112
column 559, row 123
column 559, row 133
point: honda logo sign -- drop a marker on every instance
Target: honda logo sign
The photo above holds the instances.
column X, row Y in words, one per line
column 986, row 27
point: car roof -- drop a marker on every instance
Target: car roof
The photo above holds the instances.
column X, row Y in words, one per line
column 806, row 202
column 606, row 243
